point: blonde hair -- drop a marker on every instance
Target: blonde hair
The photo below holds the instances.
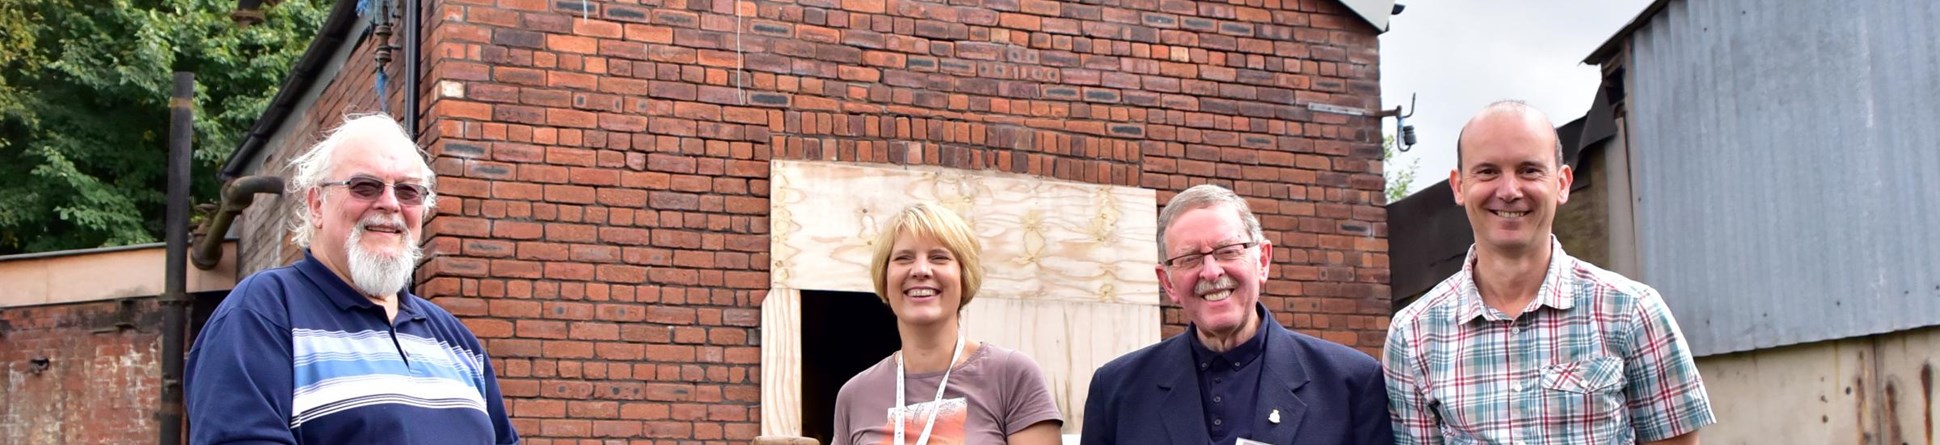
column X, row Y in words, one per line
column 932, row 221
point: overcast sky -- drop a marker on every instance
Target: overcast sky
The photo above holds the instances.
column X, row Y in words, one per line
column 1460, row 55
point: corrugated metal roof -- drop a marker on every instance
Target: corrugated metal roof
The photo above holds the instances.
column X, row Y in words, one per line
column 1608, row 49
column 1787, row 179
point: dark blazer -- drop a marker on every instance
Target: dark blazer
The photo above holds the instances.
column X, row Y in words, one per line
column 1326, row 394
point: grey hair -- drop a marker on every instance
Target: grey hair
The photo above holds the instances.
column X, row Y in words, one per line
column 313, row 165
column 1516, row 107
column 1203, row 196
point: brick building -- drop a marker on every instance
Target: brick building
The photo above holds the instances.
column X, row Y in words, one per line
column 649, row 211
column 80, row 342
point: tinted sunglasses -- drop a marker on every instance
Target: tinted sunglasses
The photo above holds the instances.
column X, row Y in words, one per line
column 369, row 189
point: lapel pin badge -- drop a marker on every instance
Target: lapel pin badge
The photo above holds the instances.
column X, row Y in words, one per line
column 1273, row 417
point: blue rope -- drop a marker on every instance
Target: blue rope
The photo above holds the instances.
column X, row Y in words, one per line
column 383, row 104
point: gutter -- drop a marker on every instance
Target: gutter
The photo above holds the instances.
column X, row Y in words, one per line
column 336, row 30
column 413, row 52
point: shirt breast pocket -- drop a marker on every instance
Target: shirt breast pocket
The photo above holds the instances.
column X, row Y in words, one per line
column 1588, row 376
column 1589, row 389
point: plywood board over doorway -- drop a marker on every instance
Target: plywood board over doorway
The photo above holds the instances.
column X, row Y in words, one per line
column 1068, row 266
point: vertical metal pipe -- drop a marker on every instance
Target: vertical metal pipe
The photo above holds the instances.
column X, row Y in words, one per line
column 413, row 53
column 175, row 298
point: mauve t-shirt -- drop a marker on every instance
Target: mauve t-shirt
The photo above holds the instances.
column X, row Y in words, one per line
column 995, row 393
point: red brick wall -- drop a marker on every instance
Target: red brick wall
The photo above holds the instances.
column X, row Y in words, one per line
column 603, row 180
column 101, row 384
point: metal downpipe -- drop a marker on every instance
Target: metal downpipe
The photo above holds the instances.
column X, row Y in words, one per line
column 175, row 297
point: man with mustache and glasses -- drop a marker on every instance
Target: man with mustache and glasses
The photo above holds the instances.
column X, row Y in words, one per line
column 1236, row 376
column 333, row 349
column 1527, row 344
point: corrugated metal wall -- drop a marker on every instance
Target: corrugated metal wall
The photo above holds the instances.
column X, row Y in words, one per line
column 1787, row 157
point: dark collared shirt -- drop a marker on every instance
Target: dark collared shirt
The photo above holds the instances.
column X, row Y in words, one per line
column 1229, row 383
column 296, row 355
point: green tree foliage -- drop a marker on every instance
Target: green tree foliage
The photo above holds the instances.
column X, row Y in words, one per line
column 1400, row 179
column 84, row 88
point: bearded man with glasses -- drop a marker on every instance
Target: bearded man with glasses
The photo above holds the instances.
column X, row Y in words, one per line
column 1235, row 376
column 333, row 349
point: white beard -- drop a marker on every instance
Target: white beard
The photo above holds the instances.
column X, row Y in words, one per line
column 376, row 274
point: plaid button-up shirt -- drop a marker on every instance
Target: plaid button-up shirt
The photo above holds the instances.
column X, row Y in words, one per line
column 1595, row 359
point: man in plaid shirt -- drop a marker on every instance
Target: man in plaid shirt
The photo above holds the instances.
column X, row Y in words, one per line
column 1527, row 345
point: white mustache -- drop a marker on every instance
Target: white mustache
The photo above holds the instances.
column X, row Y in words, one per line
column 380, row 219
column 1223, row 284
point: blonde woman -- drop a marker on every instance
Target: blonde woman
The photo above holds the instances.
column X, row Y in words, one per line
column 941, row 388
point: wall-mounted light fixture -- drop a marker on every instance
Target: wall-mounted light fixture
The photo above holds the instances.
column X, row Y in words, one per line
column 1404, row 134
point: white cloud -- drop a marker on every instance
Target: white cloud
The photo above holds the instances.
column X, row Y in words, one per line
column 1460, row 55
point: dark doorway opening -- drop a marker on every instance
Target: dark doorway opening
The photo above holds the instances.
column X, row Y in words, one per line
column 202, row 308
column 843, row 333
